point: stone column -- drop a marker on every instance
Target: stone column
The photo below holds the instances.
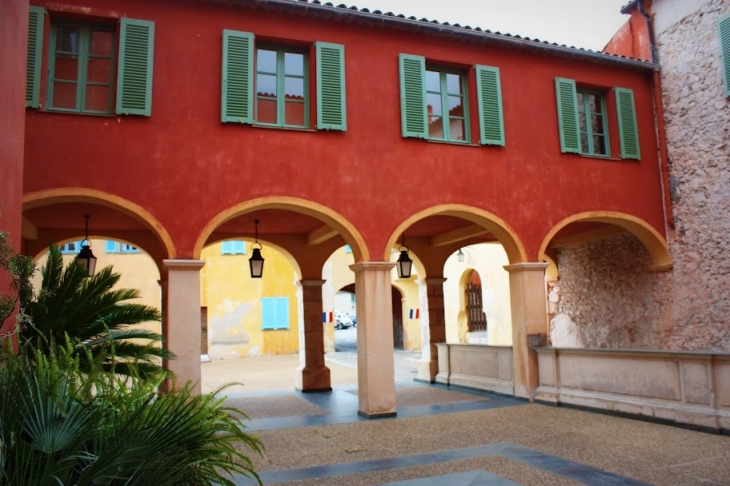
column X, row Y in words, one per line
column 312, row 374
column 428, row 367
column 182, row 335
column 375, row 366
column 529, row 323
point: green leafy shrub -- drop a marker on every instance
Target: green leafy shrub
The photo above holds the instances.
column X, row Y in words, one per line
column 60, row 425
column 96, row 318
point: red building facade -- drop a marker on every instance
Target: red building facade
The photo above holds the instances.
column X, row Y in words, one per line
column 176, row 124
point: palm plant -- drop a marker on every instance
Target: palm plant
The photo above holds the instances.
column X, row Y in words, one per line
column 60, row 425
column 97, row 319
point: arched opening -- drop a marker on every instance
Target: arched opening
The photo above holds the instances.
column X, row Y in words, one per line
column 299, row 239
column 608, row 289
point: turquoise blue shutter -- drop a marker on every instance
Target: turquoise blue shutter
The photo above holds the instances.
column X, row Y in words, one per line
column 723, row 27
column 268, row 313
column 489, row 95
column 331, row 95
column 568, row 115
column 136, row 59
column 111, row 246
column 226, row 248
column 237, row 77
column 239, row 247
column 282, row 313
column 627, row 128
column 413, row 96
column 36, row 26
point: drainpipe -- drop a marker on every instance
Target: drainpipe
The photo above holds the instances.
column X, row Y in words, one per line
column 661, row 133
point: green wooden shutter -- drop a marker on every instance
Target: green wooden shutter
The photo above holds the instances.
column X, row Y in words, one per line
column 723, row 27
column 627, row 128
column 331, row 99
column 568, row 115
column 237, row 88
column 413, row 96
column 489, row 95
column 36, row 26
column 136, row 58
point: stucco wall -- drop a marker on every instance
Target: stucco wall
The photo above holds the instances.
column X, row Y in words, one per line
column 233, row 300
column 697, row 117
column 13, row 42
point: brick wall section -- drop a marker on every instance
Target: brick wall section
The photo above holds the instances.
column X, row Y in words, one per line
column 697, row 117
column 607, row 289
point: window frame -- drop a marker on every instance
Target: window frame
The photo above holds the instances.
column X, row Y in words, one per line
column 585, row 109
column 64, row 249
column 84, row 55
column 229, row 247
column 281, row 51
column 443, row 73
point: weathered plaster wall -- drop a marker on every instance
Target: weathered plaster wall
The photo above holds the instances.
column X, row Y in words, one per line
column 697, row 117
column 608, row 291
column 233, row 300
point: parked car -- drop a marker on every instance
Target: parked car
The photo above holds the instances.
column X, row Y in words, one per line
column 342, row 321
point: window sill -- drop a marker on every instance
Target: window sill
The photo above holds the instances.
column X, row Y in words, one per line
column 51, row 111
column 601, row 157
column 289, row 129
column 449, row 142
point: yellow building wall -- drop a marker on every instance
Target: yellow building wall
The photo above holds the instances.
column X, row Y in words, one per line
column 233, row 301
column 489, row 260
column 137, row 271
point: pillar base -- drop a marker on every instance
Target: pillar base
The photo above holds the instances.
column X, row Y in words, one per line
column 313, row 379
column 427, row 370
column 376, row 415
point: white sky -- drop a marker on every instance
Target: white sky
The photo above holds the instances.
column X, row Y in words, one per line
column 581, row 23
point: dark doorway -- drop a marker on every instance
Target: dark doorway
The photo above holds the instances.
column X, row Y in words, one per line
column 203, row 330
column 477, row 319
column 398, row 336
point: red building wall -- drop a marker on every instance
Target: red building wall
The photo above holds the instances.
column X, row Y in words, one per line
column 185, row 167
column 13, row 41
column 632, row 39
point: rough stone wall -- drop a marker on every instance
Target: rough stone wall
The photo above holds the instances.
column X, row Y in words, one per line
column 697, row 117
column 608, row 291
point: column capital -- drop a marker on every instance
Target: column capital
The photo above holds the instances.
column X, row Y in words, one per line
column 183, row 264
column 434, row 280
column 310, row 282
column 372, row 266
column 526, row 267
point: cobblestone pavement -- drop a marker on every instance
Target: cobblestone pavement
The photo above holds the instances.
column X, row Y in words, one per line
column 449, row 436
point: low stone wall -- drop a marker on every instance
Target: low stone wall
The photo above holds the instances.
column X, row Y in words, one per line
column 682, row 387
column 476, row 366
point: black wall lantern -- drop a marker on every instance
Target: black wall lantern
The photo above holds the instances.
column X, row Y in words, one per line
column 86, row 259
column 460, row 255
column 404, row 262
column 256, row 262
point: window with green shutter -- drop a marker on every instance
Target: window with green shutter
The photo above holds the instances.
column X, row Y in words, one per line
column 435, row 102
column 723, row 28
column 90, row 68
column 268, row 84
column 583, row 121
column 281, row 87
column 446, row 105
column 81, row 68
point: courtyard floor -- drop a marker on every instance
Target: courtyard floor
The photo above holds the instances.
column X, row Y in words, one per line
column 446, row 436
